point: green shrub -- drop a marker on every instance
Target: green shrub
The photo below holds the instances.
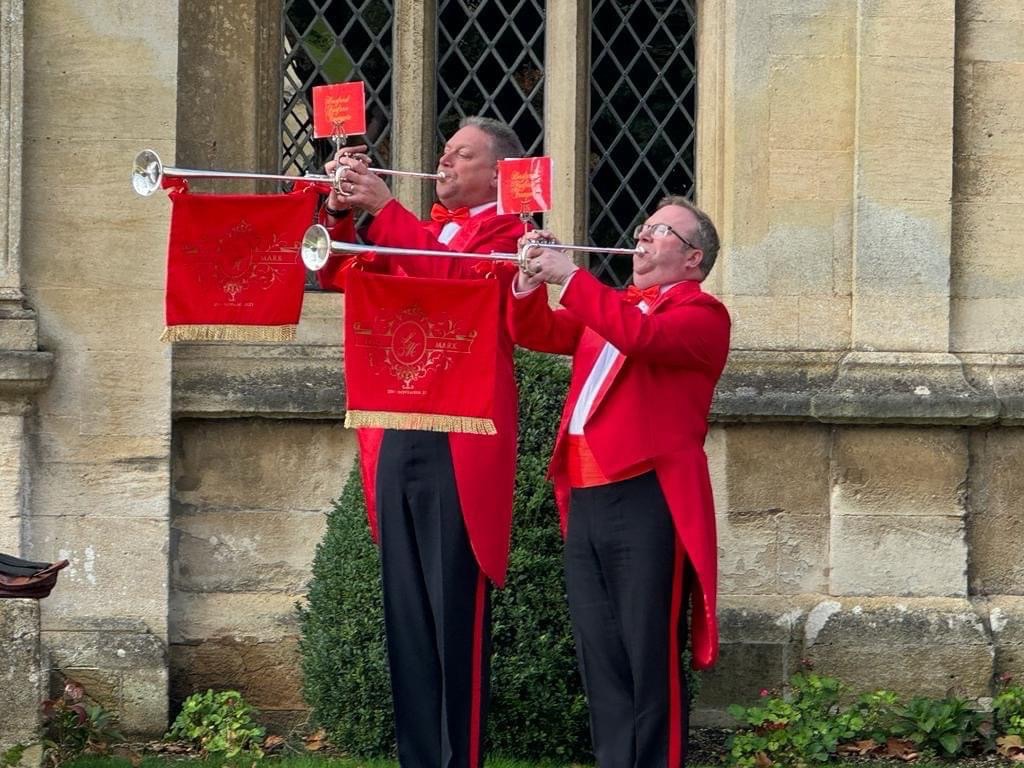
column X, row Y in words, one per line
column 1008, row 711
column 800, row 728
column 218, row 724
column 72, row 726
column 537, row 706
column 948, row 727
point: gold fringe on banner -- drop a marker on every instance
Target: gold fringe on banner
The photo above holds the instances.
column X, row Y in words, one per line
column 430, row 422
column 269, row 333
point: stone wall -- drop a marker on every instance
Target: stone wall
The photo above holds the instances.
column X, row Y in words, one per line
column 21, row 678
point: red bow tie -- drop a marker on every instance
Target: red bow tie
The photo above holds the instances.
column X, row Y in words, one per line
column 635, row 295
column 442, row 215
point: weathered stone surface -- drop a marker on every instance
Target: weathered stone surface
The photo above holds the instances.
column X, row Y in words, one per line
column 267, row 673
column 995, row 526
column 263, row 616
column 899, row 471
column 117, row 569
column 924, row 646
column 261, row 464
column 264, row 380
column 21, row 679
column 1006, row 621
column 217, row 550
column 905, row 388
column 898, row 555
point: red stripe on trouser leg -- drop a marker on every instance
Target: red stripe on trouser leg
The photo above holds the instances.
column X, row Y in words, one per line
column 478, row 661
column 675, row 697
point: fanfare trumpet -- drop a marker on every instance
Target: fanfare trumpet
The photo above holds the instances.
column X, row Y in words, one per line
column 148, row 171
column 317, row 247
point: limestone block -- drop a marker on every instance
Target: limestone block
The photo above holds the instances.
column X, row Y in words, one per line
column 995, row 526
column 268, row 674
column 748, row 554
column 907, row 9
column 824, row 321
column 992, row 177
column 123, row 671
column 242, row 551
column 99, row 319
column 110, row 56
column 258, row 380
column 779, row 384
column 812, row 102
column 987, row 261
column 1006, row 619
column 925, row 646
column 995, row 121
column 801, row 247
column 777, row 469
column 906, row 102
column 898, row 555
column 990, row 10
column 907, row 36
column 803, row 554
column 763, row 322
column 899, row 250
column 987, row 325
column 887, row 322
column 264, row 616
column 132, row 487
column 118, row 569
column 11, row 473
column 20, row 674
column 813, row 31
column 261, row 464
column 322, row 319
column 810, row 174
column 760, row 648
column 903, row 471
column 884, row 174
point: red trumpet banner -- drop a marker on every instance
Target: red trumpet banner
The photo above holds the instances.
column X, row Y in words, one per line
column 233, row 266
column 420, row 353
column 339, row 108
column 524, row 185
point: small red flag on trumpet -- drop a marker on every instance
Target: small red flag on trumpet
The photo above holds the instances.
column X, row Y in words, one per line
column 339, row 109
column 524, row 185
column 233, row 266
column 420, row 353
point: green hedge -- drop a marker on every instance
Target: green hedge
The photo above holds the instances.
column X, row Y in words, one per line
column 537, row 705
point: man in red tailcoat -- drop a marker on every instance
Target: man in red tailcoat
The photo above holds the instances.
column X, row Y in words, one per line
column 630, row 474
column 441, row 504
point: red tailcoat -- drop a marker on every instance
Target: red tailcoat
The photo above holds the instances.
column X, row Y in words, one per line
column 652, row 407
column 485, row 466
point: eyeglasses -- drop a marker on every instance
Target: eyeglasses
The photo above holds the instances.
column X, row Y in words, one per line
column 660, row 230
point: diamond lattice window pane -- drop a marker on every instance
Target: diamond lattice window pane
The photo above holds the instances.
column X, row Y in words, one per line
column 643, row 115
column 334, row 41
column 491, row 63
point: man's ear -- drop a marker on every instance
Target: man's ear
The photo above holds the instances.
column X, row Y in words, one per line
column 693, row 258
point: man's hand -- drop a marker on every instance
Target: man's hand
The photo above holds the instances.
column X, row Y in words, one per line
column 544, row 264
column 353, row 157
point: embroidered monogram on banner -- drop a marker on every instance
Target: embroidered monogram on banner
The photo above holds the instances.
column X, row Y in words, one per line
column 420, row 353
column 233, row 266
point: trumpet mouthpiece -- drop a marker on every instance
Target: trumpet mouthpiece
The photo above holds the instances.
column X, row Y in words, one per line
column 441, row 175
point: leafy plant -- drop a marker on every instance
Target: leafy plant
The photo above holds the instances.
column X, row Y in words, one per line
column 12, row 756
column 947, row 726
column 872, row 716
column 72, row 726
column 218, row 723
column 800, row 728
column 1008, row 710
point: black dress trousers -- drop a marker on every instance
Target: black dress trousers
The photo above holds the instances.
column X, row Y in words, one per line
column 436, row 605
column 624, row 577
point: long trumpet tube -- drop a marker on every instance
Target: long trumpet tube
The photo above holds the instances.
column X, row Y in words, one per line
column 317, row 247
column 148, row 171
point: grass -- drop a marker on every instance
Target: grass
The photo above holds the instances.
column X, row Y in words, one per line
column 318, row 761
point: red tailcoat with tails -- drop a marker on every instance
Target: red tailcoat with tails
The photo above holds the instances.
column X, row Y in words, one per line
column 653, row 406
column 485, row 466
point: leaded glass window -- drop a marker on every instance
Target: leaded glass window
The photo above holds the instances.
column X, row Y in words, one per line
column 643, row 117
column 491, row 62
